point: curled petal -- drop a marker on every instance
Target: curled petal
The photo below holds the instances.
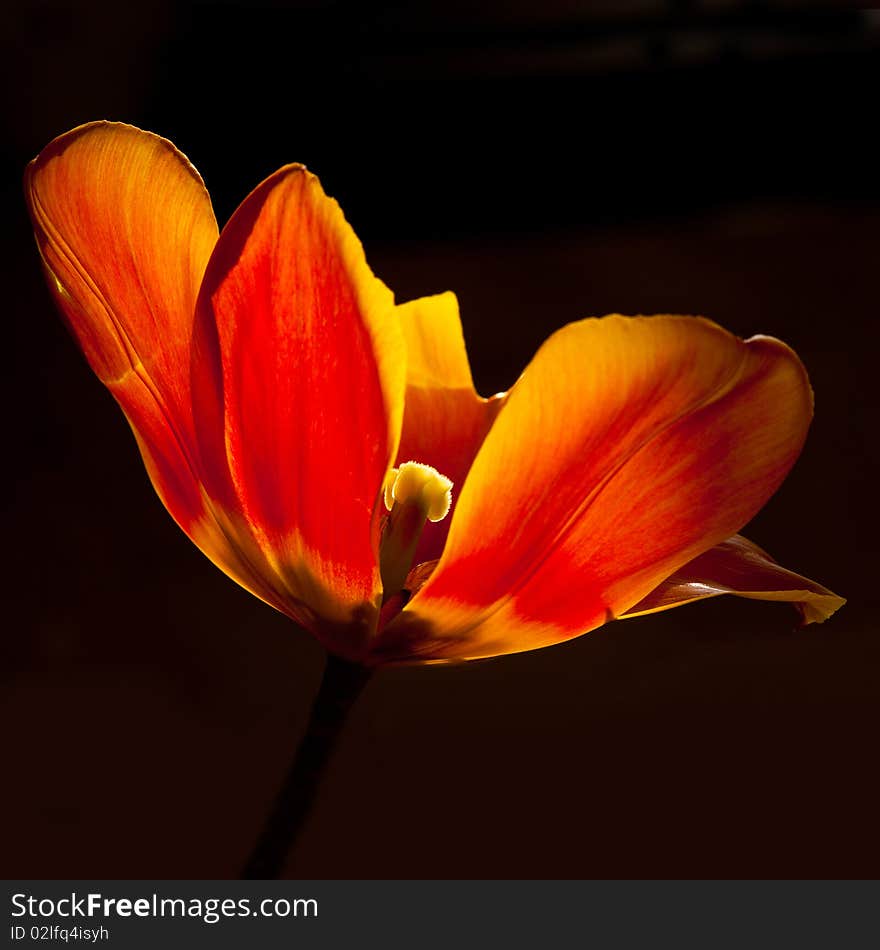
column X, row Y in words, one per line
column 628, row 447
column 737, row 566
column 298, row 377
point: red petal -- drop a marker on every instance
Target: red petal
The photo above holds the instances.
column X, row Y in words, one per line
column 445, row 421
column 125, row 228
column 627, row 448
column 737, row 566
column 299, row 390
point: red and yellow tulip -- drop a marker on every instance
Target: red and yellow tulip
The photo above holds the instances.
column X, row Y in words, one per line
column 278, row 397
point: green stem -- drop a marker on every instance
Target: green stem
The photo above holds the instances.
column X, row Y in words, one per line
column 340, row 687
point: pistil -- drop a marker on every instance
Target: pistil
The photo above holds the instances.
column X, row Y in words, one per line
column 414, row 493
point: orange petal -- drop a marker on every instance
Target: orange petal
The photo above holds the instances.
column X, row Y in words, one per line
column 737, row 566
column 628, row 447
column 445, row 421
column 125, row 229
column 299, row 380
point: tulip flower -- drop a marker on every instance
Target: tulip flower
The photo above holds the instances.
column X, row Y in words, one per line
column 326, row 448
column 274, row 389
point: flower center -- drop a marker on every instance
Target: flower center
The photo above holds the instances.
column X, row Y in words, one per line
column 414, row 493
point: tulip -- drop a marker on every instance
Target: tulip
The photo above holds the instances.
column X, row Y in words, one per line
column 326, row 448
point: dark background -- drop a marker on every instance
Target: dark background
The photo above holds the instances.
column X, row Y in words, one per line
column 546, row 161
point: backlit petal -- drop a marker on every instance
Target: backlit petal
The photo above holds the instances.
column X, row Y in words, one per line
column 298, row 380
column 445, row 421
column 125, row 229
column 737, row 566
column 628, row 447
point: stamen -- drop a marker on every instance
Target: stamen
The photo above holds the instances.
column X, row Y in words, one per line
column 419, row 483
column 413, row 494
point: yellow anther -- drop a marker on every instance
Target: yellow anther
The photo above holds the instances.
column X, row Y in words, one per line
column 419, row 484
column 413, row 494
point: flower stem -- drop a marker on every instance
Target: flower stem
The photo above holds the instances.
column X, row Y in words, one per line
column 340, row 687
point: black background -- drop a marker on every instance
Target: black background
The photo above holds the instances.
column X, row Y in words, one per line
column 547, row 162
